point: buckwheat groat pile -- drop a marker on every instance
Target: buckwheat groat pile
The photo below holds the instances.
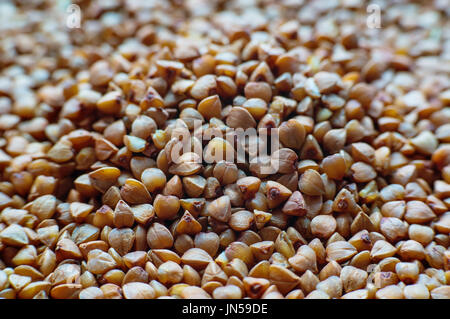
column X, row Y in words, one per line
column 94, row 204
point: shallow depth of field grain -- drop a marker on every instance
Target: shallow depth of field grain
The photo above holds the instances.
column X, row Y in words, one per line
column 95, row 202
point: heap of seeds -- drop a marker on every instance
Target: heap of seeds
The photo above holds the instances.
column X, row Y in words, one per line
column 92, row 204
